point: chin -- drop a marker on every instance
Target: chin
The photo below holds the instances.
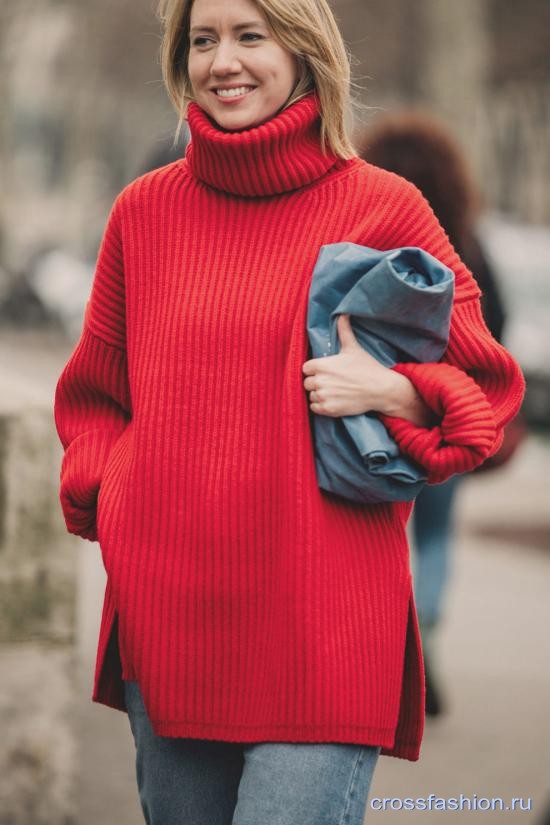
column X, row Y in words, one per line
column 235, row 121
column 237, row 124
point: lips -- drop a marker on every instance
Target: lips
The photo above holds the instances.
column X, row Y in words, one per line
column 232, row 92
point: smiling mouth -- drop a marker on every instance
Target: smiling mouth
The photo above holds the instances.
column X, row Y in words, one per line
column 233, row 94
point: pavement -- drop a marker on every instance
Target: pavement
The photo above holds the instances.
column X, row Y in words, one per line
column 492, row 651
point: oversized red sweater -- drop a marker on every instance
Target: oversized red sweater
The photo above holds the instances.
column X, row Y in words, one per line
column 250, row 605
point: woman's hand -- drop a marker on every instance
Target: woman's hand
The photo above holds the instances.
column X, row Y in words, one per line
column 353, row 382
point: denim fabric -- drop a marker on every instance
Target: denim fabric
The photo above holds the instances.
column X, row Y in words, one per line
column 433, row 535
column 399, row 302
column 203, row 782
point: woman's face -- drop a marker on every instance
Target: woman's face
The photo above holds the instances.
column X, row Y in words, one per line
column 240, row 75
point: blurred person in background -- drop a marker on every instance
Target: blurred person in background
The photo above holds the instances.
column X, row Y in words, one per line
column 261, row 635
column 422, row 150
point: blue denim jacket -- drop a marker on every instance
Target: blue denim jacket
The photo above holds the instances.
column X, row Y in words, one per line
column 399, row 302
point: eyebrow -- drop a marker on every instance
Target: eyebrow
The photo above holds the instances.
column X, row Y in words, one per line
column 250, row 25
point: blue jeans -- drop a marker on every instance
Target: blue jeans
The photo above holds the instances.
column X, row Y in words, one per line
column 433, row 530
column 205, row 782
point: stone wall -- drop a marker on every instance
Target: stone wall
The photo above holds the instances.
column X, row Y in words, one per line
column 38, row 752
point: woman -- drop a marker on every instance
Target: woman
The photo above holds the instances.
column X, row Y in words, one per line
column 421, row 150
column 261, row 634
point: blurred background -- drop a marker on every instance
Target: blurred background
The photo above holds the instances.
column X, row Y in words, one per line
column 83, row 112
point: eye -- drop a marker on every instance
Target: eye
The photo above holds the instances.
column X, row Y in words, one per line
column 251, row 36
column 201, row 41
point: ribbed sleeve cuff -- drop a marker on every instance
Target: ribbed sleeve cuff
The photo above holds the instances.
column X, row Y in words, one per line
column 466, row 433
column 81, row 472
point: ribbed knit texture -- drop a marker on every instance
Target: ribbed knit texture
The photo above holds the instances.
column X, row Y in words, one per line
column 249, row 605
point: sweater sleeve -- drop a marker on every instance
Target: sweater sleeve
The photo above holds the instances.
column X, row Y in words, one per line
column 92, row 397
column 475, row 389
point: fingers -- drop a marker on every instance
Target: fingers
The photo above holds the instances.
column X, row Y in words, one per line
column 347, row 341
column 310, row 367
column 311, row 382
column 345, row 333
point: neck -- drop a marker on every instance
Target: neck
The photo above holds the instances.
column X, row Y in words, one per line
column 278, row 156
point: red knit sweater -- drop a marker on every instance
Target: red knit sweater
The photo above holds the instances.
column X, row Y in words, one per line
column 250, row 605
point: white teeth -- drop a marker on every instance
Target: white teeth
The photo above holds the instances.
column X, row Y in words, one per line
column 234, row 92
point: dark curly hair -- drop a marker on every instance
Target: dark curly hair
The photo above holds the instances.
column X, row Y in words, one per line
column 420, row 149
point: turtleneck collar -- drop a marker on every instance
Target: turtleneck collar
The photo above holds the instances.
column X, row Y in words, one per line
column 280, row 155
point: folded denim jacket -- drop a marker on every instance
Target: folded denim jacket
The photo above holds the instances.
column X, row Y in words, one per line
column 400, row 303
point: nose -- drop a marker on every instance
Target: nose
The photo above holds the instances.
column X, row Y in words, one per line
column 225, row 60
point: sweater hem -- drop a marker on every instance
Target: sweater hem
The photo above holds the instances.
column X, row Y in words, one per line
column 171, row 727
column 411, row 752
column 383, row 738
column 343, row 734
column 109, row 691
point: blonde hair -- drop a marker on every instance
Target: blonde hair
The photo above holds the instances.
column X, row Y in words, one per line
column 305, row 28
